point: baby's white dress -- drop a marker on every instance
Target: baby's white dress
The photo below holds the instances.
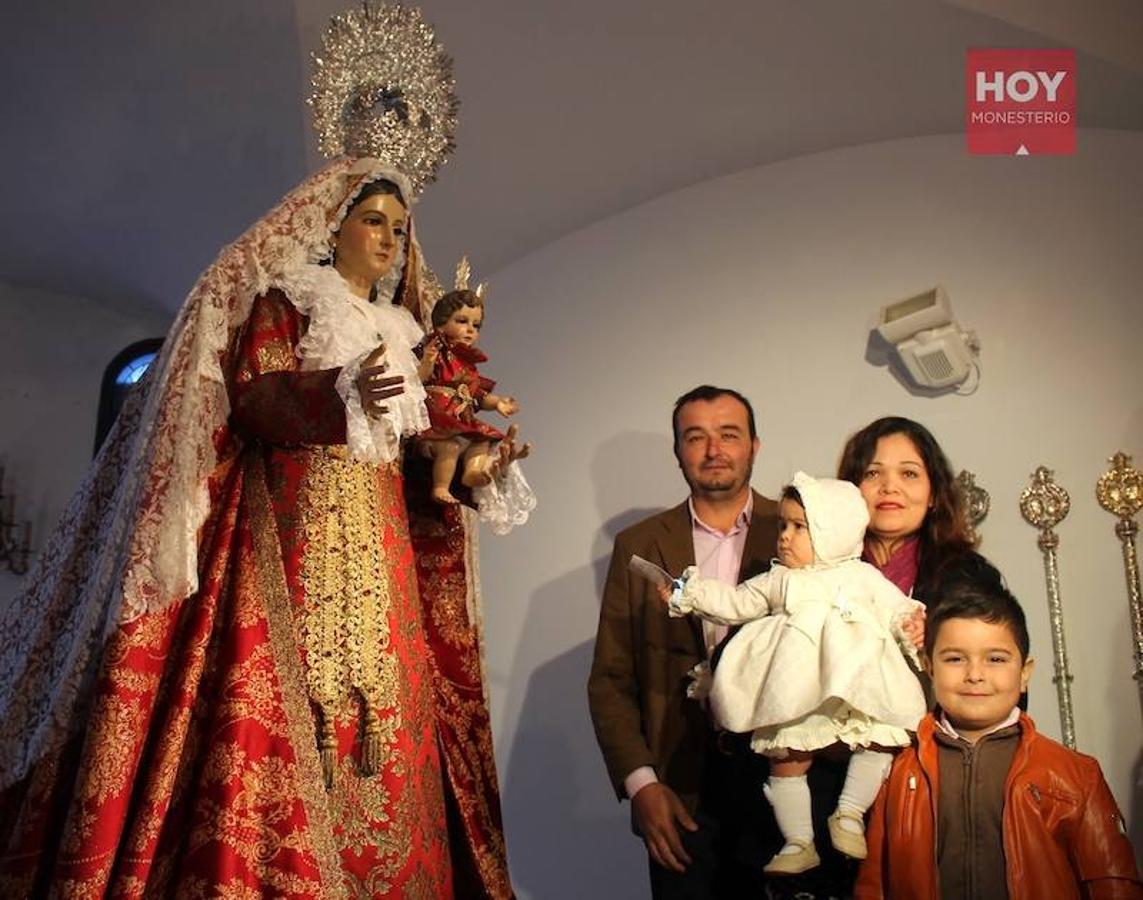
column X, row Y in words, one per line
column 821, row 657
column 825, row 666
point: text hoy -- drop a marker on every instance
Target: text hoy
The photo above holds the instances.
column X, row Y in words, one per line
column 1021, row 87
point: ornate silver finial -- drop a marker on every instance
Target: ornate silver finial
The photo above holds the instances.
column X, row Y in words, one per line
column 1120, row 491
column 976, row 500
column 1044, row 504
column 383, row 87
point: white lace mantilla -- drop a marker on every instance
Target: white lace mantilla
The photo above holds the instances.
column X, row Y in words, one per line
column 127, row 544
column 343, row 330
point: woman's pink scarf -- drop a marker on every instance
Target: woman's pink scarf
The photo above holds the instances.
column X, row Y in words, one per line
column 901, row 567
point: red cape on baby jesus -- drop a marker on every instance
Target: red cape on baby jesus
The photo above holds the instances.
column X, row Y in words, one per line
column 455, row 391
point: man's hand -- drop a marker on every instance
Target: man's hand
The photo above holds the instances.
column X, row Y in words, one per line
column 657, row 810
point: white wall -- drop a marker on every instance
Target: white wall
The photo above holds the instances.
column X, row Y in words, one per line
column 767, row 281
column 53, row 352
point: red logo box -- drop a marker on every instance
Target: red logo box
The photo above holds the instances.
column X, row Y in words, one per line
column 1020, row 102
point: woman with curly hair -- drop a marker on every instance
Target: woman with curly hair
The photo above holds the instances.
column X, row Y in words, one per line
column 918, row 535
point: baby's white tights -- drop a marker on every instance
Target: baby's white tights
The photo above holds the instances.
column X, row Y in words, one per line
column 790, row 798
column 867, row 769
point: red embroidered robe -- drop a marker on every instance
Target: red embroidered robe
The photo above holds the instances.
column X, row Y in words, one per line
column 198, row 772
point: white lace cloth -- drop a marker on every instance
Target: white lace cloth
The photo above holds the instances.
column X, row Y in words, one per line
column 343, row 330
column 505, row 502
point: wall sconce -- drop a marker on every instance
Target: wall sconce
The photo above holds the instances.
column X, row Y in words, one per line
column 13, row 554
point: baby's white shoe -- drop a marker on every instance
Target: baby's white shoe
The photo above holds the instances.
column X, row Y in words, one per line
column 792, row 859
column 848, row 836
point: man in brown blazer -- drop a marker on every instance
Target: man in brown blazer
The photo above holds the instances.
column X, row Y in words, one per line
column 693, row 791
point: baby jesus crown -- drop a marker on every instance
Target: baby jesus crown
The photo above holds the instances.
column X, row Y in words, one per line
column 463, row 272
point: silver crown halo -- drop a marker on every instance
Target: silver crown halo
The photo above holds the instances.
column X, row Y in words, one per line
column 383, row 87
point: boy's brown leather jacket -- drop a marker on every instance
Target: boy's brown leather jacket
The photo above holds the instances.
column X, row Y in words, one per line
column 1063, row 834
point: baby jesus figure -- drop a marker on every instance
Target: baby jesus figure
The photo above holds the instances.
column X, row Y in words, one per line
column 456, row 391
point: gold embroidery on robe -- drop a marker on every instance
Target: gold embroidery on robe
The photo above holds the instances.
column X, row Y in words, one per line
column 348, row 592
column 108, row 770
column 256, row 822
column 310, row 787
column 250, row 691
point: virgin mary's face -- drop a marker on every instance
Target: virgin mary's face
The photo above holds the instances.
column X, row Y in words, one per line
column 369, row 239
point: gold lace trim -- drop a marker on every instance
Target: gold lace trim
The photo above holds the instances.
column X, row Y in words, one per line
column 348, row 591
column 268, row 555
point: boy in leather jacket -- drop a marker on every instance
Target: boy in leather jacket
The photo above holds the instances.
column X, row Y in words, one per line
column 984, row 806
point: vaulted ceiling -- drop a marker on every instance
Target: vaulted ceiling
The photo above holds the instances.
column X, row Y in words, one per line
column 140, row 136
